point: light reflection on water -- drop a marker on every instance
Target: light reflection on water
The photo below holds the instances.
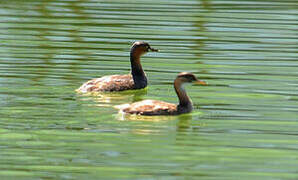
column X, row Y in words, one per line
column 244, row 123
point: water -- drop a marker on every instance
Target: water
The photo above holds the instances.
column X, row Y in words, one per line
column 244, row 124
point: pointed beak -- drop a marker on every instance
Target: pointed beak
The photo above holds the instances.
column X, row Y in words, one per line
column 199, row 82
column 153, row 50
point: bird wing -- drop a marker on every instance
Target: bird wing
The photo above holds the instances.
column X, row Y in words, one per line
column 151, row 107
column 108, row 83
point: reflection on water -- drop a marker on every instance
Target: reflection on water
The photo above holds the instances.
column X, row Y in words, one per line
column 109, row 98
column 133, row 117
column 244, row 123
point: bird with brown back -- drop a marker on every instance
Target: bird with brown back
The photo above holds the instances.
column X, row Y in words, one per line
column 135, row 80
column 154, row 107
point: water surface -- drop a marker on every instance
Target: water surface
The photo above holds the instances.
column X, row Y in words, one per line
column 244, row 124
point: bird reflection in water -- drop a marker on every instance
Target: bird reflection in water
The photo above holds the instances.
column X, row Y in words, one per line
column 104, row 99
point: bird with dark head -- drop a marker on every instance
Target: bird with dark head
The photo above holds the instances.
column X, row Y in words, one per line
column 136, row 80
column 154, row 107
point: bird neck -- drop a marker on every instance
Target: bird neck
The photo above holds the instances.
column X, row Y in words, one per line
column 137, row 72
column 185, row 103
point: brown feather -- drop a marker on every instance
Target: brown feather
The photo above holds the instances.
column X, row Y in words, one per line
column 151, row 107
column 108, row 83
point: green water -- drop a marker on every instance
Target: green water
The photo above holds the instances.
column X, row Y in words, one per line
column 244, row 124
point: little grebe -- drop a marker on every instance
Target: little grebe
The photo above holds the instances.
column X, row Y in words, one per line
column 136, row 80
column 154, row 107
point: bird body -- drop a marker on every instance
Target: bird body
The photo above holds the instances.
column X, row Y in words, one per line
column 149, row 107
column 108, row 84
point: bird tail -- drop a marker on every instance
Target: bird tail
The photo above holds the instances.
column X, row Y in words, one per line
column 121, row 106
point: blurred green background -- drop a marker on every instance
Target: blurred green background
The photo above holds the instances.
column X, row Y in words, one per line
column 244, row 125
